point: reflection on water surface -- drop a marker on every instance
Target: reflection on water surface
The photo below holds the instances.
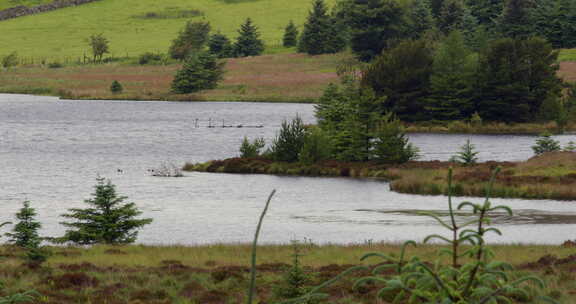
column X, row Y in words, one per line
column 51, row 152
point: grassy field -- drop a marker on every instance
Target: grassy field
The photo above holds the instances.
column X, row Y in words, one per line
column 279, row 77
column 286, row 77
column 218, row 274
column 4, row 4
column 62, row 33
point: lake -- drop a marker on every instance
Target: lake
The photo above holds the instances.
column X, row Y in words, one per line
column 51, row 152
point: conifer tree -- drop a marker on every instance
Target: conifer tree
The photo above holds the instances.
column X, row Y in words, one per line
column 290, row 35
column 421, row 18
column 515, row 76
column 108, row 220
column 321, row 34
column 436, row 7
column 248, row 42
column 515, row 20
column 451, row 80
column 192, row 38
column 201, row 71
column 391, row 144
column 555, row 20
column 402, row 74
column 25, row 232
column 486, row 11
column 220, row 46
column 451, row 16
column 375, row 25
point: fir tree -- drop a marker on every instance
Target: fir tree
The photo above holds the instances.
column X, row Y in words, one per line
column 421, row 19
column 545, row 143
column 467, row 154
column 201, row 71
column 321, row 34
column 486, row 11
column 375, row 25
column 436, row 7
column 391, row 144
column 514, row 77
column 556, row 21
column 289, row 141
column 451, row 80
column 451, row 16
column 192, row 38
column 116, row 87
column 108, row 220
column 248, row 42
column 220, row 46
column 402, row 74
column 25, row 232
column 290, row 35
column 516, row 21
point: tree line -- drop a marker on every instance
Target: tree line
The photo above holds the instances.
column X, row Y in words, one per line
column 443, row 60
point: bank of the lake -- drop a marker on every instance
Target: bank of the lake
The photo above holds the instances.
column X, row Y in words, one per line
column 270, row 78
column 219, row 273
column 547, row 176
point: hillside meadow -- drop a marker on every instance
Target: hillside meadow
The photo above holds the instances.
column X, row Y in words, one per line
column 62, row 33
column 4, row 4
column 285, row 77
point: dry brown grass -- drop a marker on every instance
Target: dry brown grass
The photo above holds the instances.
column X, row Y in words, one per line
column 286, row 77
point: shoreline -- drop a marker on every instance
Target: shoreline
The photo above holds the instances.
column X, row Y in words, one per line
column 548, row 176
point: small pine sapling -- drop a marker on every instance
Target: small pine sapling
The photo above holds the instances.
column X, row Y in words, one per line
column 108, row 220
column 467, row 155
column 570, row 147
column 25, row 235
column 295, row 278
column 290, row 35
column 116, row 87
column 545, row 143
column 25, row 232
column 251, row 149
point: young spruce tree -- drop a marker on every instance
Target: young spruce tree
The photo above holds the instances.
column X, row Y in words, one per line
column 290, row 35
column 220, row 46
column 248, row 42
column 322, row 33
column 191, row 39
column 25, row 232
column 201, row 71
column 108, row 220
column 516, row 19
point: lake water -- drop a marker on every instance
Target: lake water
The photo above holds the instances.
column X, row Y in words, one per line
column 51, row 151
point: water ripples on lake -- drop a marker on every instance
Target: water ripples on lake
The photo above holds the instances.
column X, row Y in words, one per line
column 51, row 151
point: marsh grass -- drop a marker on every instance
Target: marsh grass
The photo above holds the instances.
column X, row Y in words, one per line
column 285, row 77
column 218, row 273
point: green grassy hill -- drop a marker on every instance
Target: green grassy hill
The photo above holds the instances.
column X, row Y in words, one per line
column 4, row 4
column 62, row 33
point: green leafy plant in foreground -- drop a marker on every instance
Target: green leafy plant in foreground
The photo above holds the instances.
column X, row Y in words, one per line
column 251, row 288
column 24, row 297
column 480, row 280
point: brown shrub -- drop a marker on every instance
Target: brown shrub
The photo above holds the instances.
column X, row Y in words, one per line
column 74, row 280
column 213, row 297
